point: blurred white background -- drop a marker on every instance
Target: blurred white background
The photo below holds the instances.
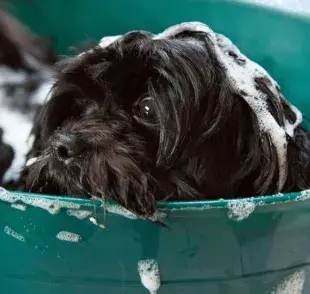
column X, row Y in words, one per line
column 302, row 6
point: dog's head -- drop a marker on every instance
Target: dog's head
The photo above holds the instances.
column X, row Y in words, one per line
column 142, row 118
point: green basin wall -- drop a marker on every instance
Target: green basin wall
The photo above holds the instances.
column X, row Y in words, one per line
column 205, row 249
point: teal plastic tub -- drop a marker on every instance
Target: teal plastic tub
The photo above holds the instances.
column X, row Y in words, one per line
column 254, row 246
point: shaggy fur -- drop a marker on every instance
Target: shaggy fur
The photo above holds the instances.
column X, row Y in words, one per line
column 145, row 120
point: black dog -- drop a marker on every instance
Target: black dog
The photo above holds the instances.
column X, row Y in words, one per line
column 182, row 115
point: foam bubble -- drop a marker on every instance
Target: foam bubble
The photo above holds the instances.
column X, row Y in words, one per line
column 293, row 284
column 69, row 237
column 304, row 195
column 149, row 274
column 117, row 209
column 240, row 209
column 14, row 234
column 21, row 207
column 31, row 161
column 95, row 222
column 80, row 214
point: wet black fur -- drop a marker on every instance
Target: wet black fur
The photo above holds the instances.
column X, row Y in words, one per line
column 206, row 144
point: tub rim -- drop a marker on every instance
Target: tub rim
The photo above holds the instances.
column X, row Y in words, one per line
column 185, row 205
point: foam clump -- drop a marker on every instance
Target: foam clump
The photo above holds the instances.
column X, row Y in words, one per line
column 239, row 210
column 106, row 41
column 14, row 234
column 117, row 209
column 293, row 284
column 149, row 274
column 21, row 207
column 52, row 206
column 95, row 222
column 304, row 195
column 6, row 196
column 241, row 73
column 79, row 214
column 69, row 237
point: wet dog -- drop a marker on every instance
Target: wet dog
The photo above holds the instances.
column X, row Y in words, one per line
column 182, row 115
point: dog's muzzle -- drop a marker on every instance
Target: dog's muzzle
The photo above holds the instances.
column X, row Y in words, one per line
column 66, row 146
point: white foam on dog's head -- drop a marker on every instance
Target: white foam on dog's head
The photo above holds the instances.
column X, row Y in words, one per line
column 241, row 78
column 106, row 41
column 149, row 274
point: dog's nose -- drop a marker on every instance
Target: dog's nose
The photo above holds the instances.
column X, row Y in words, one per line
column 66, row 146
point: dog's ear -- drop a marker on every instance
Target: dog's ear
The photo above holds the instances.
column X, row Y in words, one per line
column 35, row 135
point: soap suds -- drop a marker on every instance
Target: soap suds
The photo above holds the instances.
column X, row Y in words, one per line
column 106, row 41
column 95, row 222
column 21, row 207
column 69, row 237
column 149, row 274
column 293, row 284
column 195, row 208
column 80, row 214
column 6, row 196
column 239, row 210
column 117, row 209
column 52, row 206
column 14, row 234
column 304, row 195
column 242, row 76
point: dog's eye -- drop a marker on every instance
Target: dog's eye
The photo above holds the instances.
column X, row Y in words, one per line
column 145, row 110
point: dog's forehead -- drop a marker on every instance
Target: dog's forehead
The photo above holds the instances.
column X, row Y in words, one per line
column 168, row 33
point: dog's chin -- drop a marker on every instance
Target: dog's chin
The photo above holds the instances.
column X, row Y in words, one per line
column 47, row 174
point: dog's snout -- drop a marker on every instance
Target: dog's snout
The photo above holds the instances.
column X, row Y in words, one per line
column 66, row 146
